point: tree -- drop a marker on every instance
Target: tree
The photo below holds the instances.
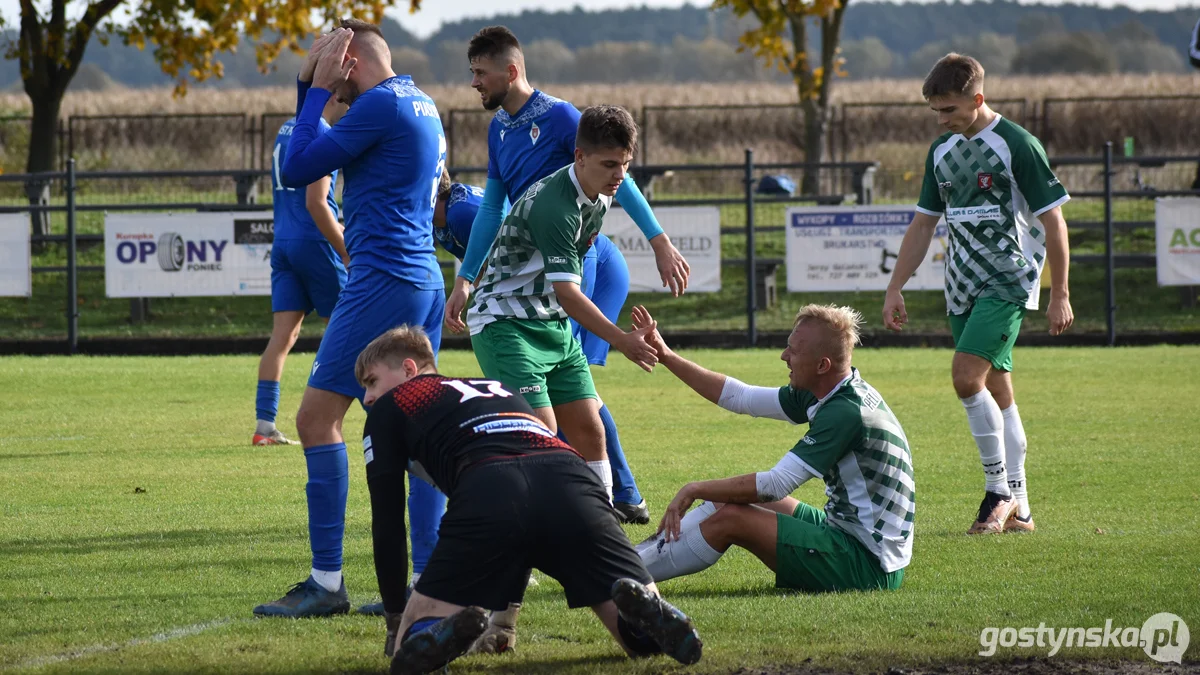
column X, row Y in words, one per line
column 414, row 63
column 867, row 58
column 548, row 61
column 1065, row 53
column 782, row 39
column 186, row 38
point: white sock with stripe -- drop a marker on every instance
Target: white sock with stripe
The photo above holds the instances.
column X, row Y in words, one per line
column 687, row 555
column 1014, row 457
column 604, row 472
column 987, row 426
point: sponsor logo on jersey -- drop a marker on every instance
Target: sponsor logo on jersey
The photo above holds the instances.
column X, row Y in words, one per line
column 512, row 426
column 534, row 133
column 975, row 214
column 946, row 185
column 807, row 440
column 985, row 181
column 501, row 135
column 535, row 389
column 556, row 260
column 368, row 451
column 1052, row 182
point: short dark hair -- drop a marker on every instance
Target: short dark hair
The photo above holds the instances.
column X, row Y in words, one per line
column 953, row 75
column 360, row 26
column 603, row 127
column 444, row 184
column 492, row 42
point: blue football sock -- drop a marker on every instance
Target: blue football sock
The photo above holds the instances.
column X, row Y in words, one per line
column 327, row 488
column 266, row 403
column 624, row 486
column 426, row 504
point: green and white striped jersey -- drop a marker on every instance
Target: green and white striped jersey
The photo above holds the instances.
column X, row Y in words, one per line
column 543, row 240
column 991, row 188
column 856, row 445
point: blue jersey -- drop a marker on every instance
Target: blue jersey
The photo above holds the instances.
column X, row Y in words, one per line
column 393, row 134
column 461, row 208
column 292, row 219
column 536, row 142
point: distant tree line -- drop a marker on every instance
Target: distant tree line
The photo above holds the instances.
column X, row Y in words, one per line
column 695, row 44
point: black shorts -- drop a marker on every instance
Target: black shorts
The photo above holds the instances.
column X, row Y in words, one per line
column 506, row 516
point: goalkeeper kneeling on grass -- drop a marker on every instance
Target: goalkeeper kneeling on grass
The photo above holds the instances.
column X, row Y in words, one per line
column 863, row 538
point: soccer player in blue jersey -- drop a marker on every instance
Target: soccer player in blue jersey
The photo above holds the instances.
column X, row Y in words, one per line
column 454, row 215
column 531, row 136
column 392, row 151
column 308, row 270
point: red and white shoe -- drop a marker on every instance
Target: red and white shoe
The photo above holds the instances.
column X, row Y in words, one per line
column 274, row 438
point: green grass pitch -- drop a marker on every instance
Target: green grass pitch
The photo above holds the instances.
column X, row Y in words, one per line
column 139, row 527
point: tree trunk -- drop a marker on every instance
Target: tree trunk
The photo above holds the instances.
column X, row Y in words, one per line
column 43, row 141
column 816, row 125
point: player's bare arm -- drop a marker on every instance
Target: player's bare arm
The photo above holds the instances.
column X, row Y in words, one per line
column 703, row 381
column 456, row 303
column 632, row 344
column 736, row 490
column 913, row 248
column 316, row 201
column 672, row 267
column 1058, row 255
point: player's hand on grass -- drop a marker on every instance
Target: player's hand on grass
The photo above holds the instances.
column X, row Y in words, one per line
column 636, row 347
column 333, row 68
column 456, row 303
column 669, row 526
column 641, row 319
column 314, row 52
column 894, row 316
column 672, row 267
column 1060, row 314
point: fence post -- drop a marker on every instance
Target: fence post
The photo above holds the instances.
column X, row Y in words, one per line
column 751, row 262
column 247, row 188
column 72, row 265
column 1109, row 263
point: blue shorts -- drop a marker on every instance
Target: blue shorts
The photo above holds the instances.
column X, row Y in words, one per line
column 606, row 284
column 306, row 274
column 371, row 304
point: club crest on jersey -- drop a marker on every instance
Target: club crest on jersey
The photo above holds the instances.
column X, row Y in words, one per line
column 534, row 133
column 985, row 181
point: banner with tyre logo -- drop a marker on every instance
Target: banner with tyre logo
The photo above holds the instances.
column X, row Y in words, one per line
column 162, row 255
column 14, row 255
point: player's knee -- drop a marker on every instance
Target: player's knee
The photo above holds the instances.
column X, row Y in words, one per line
column 723, row 527
column 311, row 423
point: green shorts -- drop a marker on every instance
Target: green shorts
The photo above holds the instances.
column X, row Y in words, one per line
column 814, row 557
column 538, row 359
column 988, row 330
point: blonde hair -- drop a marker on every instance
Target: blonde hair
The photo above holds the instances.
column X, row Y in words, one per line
column 841, row 326
column 393, row 347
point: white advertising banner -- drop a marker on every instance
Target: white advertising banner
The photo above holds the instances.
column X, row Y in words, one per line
column 695, row 231
column 161, row 255
column 854, row 248
column 1177, row 240
column 15, row 265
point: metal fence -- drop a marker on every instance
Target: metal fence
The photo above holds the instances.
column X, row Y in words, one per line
column 1118, row 235
column 892, row 133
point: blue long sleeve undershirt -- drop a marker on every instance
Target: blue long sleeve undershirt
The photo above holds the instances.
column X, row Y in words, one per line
column 487, row 221
column 311, row 154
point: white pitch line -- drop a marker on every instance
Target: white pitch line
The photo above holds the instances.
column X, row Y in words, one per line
column 174, row 633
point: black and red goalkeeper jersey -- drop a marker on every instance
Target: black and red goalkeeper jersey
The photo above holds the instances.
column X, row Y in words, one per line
column 437, row 426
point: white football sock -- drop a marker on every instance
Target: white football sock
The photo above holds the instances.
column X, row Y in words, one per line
column 687, row 555
column 987, row 426
column 1014, row 457
column 330, row 581
column 697, row 515
column 264, row 428
column 604, row 471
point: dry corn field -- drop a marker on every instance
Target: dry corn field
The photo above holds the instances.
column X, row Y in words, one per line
column 864, row 127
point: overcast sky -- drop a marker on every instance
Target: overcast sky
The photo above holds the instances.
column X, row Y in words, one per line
column 435, row 12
